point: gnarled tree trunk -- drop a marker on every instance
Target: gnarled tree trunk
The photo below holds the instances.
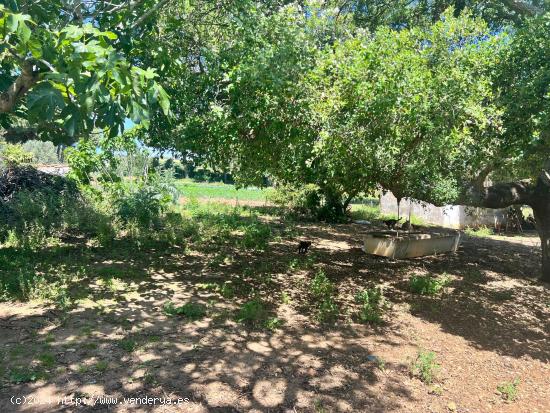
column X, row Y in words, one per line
column 536, row 195
column 540, row 203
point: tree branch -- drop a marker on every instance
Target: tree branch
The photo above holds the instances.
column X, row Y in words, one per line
column 148, row 13
column 522, row 8
column 19, row 88
column 500, row 195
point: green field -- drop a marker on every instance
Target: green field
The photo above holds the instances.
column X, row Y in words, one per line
column 193, row 189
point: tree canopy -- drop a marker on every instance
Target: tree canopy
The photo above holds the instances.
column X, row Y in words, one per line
column 64, row 80
column 428, row 99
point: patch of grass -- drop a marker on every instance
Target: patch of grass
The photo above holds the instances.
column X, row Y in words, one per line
column 190, row 310
column 474, row 276
column 50, row 338
column 193, row 189
column 83, row 369
column 47, row 360
column 285, row 298
column 253, row 312
column 101, row 366
column 86, row 331
column 128, row 344
column 372, row 304
column 504, row 295
column 226, row 290
column 481, row 232
column 426, row 285
column 302, row 263
column 318, row 406
column 19, row 375
column 509, row 390
column 368, row 212
column 425, row 367
column 273, row 323
column 150, row 379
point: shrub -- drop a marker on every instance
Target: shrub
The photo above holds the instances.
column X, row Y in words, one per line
column 426, row 285
column 42, row 151
column 322, row 291
column 425, row 367
column 142, row 206
column 13, row 154
column 372, row 305
column 304, row 200
column 256, row 236
column 327, row 311
column 321, row 287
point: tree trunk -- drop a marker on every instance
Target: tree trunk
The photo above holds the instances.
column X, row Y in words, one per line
column 19, row 88
column 545, row 243
column 541, row 211
column 536, row 195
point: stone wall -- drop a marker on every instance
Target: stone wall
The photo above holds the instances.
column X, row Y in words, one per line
column 450, row 216
column 60, row 170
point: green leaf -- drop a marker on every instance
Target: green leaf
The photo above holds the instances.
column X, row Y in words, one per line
column 35, row 48
column 72, row 121
column 44, row 100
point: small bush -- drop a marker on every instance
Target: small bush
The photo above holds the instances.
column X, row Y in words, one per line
column 256, row 236
column 509, row 390
column 425, row 367
column 328, row 311
column 190, row 310
column 480, row 232
column 372, row 305
column 304, row 200
column 426, row 285
column 321, row 287
column 322, row 291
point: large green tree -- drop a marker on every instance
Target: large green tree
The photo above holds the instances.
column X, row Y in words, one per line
column 64, row 73
column 307, row 93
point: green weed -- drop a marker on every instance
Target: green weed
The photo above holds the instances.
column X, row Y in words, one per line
column 285, row 298
column 128, row 344
column 252, row 312
column 481, row 232
column 101, row 366
column 372, row 304
column 426, row 285
column 273, row 323
column 425, row 367
column 25, row 375
column 190, row 310
column 47, row 360
column 509, row 390
column 322, row 292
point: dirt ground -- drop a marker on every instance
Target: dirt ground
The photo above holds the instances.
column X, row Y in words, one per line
column 490, row 326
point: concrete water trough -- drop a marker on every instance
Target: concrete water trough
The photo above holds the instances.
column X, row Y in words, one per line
column 402, row 244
